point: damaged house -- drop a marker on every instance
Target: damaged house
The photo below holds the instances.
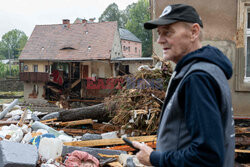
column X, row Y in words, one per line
column 59, row 58
column 66, row 61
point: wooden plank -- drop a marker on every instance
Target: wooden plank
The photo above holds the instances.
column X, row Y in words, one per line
column 108, row 156
column 77, row 132
column 242, row 151
column 2, row 123
column 106, row 127
column 128, row 148
column 75, row 83
column 54, row 89
column 48, row 120
column 23, row 117
column 115, row 164
column 239, row 130
column 107, row 142
column 72, row 123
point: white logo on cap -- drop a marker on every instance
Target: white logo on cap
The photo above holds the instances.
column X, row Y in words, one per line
column 166, row 11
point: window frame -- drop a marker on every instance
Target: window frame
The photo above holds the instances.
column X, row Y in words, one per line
column 35, row 65
column 242, row 83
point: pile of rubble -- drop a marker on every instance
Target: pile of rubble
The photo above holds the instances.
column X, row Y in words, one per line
column 27, row 140
column 139, row 102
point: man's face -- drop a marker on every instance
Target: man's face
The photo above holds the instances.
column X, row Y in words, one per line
column 175, row 40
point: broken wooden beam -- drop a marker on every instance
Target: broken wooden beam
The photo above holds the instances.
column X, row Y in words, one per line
column 108, row 142
column 75, row 83
column 128, row 148
column 101, row 112
column 23, row 117
column 239, row 130
column 242, row 151
column 48, row 120
column 80, row 131
column 79, row 122
column 54, row 89
column 2, row 123
column 71, row 123
column 105, row 127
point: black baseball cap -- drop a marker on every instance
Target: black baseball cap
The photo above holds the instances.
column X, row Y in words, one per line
column 174, row 13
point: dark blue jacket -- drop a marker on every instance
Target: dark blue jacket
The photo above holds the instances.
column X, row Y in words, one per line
column 196, row 126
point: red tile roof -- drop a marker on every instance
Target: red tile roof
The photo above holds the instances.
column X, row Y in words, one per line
column 47, row 42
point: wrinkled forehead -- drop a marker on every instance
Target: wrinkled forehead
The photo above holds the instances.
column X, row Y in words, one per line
column 164, row 28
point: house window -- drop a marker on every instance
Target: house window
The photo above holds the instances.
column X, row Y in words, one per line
column 124, row 48
column 135, row 49
column 21, row 67
column 247, row 76
column 35, row 68
column 242, row 67
column 46, row 69
column 129, row 48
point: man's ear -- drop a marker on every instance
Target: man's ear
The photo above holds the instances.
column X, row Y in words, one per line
column 195, row 30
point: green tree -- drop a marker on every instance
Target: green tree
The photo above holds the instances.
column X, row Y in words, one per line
column 139, row 14
column 3, row 51
column 124, row 14
column 12, row 43
column 112, row 13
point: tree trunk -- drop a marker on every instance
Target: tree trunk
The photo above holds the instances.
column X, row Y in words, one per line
column 102, row 112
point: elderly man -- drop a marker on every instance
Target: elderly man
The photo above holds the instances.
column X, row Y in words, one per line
column 196, row 126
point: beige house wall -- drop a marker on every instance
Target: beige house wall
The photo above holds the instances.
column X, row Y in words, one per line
column 41, row 65
column 28, row 88
column 222, row 29
column 102, row 69
column 133, row 66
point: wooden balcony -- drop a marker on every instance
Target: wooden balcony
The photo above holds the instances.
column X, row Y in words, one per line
column 34, row 76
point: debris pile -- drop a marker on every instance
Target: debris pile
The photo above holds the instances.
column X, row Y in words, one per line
column 242, row 140
column 55, row 143
column 138, row 103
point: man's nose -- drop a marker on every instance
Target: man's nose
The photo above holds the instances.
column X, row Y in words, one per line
column 161, row 40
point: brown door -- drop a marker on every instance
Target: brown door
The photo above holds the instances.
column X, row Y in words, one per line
column 84, row 71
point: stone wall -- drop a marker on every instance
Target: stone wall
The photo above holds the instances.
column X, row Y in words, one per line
column 11, row 85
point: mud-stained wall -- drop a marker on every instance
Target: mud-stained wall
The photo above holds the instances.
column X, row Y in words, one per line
column 40, row 64
column 219, row 17
column 34, row 93
column 102, row 69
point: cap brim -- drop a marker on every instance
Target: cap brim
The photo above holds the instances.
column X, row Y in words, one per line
column 158, row 22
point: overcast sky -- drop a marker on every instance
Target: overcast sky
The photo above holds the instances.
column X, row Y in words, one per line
column 25, row 14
